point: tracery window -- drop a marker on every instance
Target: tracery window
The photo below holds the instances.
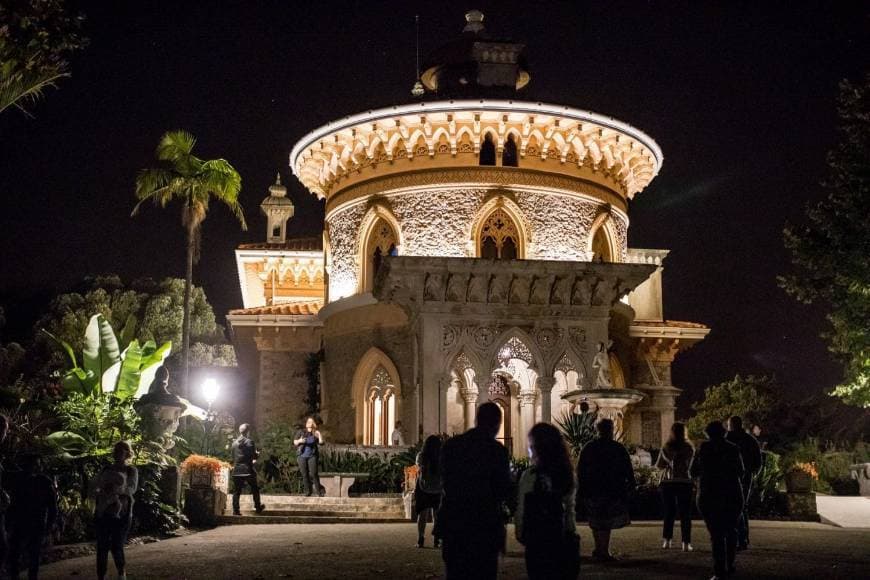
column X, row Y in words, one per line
column 509, row 156
column 499, row 237
column 380, row 408
column 487, row 151
column 601, row 246
column 382, row 242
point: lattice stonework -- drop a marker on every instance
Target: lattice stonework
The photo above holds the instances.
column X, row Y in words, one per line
column 381, row 378
column 500, row 227
column 383, row 238
column 565, row 364
column 514, row 348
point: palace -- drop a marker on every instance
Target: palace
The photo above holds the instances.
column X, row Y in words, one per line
column 475, row 248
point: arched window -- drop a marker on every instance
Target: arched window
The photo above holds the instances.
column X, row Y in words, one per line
column 601, row 246
column 380, row 408
column 487, row 151
column 499, row 238
column 509, row 156
column 382, row 242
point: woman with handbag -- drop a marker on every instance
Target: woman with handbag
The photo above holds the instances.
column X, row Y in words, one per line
column 675, row 460
column 545, row 516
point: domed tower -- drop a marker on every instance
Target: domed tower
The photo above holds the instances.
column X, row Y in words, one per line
column 476, row 249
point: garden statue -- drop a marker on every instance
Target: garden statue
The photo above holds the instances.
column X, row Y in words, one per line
column 601, row 362
column 160, row 411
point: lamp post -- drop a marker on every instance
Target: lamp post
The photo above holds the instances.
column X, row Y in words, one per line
column 210, row 390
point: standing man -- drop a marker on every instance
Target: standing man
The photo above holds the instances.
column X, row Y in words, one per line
column 397, row 438
column 244, row 457
column 476, row 481
column 750, row 453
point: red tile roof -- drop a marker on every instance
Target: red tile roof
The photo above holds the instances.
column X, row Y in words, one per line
column 287, row 309
column 669, row 324
column 297, row 244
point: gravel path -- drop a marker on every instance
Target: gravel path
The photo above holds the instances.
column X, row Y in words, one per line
column 387, row 551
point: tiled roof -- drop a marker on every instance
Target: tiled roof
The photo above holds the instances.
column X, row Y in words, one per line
column 668, row 324
column 297, row 244
column 287, row 309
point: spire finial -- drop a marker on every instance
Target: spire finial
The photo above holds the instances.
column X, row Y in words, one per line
column 278, row 178
column 474, row 21
column 417, row 90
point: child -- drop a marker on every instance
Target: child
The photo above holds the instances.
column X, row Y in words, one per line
column 111, row 493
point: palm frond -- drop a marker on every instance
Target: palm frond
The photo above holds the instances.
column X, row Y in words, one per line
column 22, row 90
column 175, row 146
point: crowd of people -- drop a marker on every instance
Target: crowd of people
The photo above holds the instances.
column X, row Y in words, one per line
column 464, row 485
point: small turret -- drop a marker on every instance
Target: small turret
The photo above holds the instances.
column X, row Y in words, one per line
column 277, row 209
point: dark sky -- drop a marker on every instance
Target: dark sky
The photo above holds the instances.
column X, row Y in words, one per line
column 739, row 95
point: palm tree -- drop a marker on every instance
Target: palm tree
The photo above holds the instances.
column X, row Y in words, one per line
column 194, row 182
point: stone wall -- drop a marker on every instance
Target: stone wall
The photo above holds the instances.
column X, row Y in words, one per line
column 283, row 387
column 342, row 355
column 439, row 222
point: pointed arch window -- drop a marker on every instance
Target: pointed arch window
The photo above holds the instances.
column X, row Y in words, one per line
column 487, row 151
column 382, row 242
column 380, row 408
column 509, row 157
column 601, row 246
column 499, row 237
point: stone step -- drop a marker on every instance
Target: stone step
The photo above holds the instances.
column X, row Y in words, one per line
column 393, row 514
column 267, row 519
column 336, row 508
column 301, row 499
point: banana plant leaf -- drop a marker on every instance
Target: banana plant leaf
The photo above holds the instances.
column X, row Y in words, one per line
column 153, row 358
column 67, row 348
column 101, row 346
column 128, row 333
column 68, row 442
column 77, row 380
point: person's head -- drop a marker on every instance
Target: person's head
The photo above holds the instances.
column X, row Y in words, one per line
column 549, row 454
column 605, row 428
column 244, row 429
column 715, row 430
column 678, row 433
column 584, row 407
column 735, row 423
column 489, row 418
column 756, row 430
column 122, row 452
column 398, row 424
column 4, row 427
column 310, row 424
column 29, row 463
column 431, row 449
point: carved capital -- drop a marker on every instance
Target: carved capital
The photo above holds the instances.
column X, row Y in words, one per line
column 526, row 398
column 545, row 384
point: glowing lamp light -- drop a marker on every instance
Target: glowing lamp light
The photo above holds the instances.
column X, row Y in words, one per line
column 210, row 390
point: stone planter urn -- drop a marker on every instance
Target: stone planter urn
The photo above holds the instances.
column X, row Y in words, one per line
column 206, row 480
column 160, row 411
column 798, row 481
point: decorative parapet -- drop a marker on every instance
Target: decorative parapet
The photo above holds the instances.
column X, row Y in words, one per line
column 449, row 133
column 642, row 256
column 435, row 283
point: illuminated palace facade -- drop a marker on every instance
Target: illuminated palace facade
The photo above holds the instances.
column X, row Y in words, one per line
column 474, row 249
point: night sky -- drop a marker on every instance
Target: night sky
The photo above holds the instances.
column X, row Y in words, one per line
column 739, row 95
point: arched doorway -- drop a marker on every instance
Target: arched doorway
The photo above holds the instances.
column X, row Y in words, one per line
column 499, row 391
column 499, row 237
column 382, row 241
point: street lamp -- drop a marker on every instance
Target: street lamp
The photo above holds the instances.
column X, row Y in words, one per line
column 210, row 390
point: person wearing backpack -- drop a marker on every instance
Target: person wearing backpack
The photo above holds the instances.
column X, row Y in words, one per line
column 545, row 516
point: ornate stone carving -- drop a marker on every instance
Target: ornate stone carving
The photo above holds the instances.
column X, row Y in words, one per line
column 540, row 290
column 577, row 337
column 448, row 336
column 434, row 287
column 498, row 288
column 457, row 287
column 519, row 293
column 548, row 338
column 477, row 288
column 483, row 336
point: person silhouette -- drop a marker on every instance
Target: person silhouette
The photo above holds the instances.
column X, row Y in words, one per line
column 606, row 478
column 675, row 460
column 475, row 471
column 719, row 469
column 750, row 453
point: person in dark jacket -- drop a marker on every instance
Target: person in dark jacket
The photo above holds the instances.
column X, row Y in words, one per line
column 308, row 442
column 244, row 471
column 719, row 469
column 750, row 453
column 31, row 515
column 675, row 459
column 114, row 490
column 427, row 493
column 606, row 478
column 475, row 471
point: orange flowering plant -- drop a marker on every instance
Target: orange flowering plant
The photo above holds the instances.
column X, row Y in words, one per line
column 806, row 467
column 202, row 462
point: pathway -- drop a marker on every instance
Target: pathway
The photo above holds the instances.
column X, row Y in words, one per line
column 386, row 552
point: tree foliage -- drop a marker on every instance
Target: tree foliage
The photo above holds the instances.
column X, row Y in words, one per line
column 36, row 39
column 750, row 397
column 145, row 310
column 831, row 251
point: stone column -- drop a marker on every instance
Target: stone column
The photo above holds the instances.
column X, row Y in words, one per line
column 527, row 418
column 470, row 407
column 545, row 386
